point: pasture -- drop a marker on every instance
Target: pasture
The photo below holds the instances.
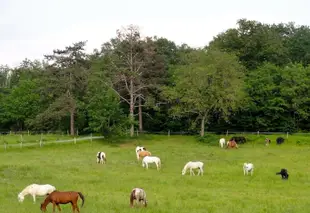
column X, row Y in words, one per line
column 222, row 188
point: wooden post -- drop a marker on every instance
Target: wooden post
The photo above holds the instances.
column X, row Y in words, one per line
column 10, row 132
column 137, row 132
column 28, row 133
column 21, row 141
column 41, row 140
column 227, row 133
column 74, row 140
column 168, row 132
column 67, row 132
column 4, row 146
column 91, row 137
column 286, row 134
column 257, row 132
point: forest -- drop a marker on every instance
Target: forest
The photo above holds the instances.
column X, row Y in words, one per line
column 255, row 77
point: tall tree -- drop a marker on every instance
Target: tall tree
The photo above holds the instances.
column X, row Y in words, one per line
column 65, row 82
column 129, row 55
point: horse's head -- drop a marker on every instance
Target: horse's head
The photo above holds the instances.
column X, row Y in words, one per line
column 183, row 172
column 43, row 208
column 20, row 197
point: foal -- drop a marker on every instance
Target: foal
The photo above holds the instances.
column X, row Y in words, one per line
column 138, row 194
column 142, row 154
column 58, row 197
column 283, row 173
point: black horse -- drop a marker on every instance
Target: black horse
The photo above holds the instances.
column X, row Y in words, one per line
column 283, row 173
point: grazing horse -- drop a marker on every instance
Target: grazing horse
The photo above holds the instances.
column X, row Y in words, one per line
column 232, row 144
column 267, row 141
column 58, row 197
column 283, row 173
column 151, row 159
column 280, row 140
column 35, row 190
column 138, row 194
column 248, row 167
column 101, row 157
column 144, row 153
column 222, row 142
column 193, row 165
column 139, row 149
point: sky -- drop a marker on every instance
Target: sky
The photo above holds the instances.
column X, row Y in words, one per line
column 32, row 28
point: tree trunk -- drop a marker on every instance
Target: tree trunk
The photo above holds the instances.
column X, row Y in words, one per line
column 131, row 110
column 72, row 122
column 140, row 116
column 202, row 130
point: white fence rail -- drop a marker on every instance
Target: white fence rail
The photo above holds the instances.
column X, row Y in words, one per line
column 41, row 143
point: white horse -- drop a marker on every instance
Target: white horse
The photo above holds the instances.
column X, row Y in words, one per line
column 151, row 159
column 222, row 142
column 139, row 149
column 193, row 165
column 101, row 157
column 36, row 190
column 248, row 167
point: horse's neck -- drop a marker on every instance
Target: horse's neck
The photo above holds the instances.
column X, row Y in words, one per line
column 25, row 191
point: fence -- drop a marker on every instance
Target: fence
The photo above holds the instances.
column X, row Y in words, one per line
column 41, row 142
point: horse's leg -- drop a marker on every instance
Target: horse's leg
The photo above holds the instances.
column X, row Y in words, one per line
column 54, row 204
column 59, row 209
column 34, row 198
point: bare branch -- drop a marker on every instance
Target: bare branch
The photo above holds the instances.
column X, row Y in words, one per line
column 118, row 94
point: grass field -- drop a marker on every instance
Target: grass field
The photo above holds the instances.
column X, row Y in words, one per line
column 223, row 188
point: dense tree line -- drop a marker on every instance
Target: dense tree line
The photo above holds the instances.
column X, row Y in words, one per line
column 252, row 77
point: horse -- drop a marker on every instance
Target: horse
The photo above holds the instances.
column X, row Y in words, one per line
column 222, row 142
column 36, row 190
column 151, row 159
column 58, row 197
column 138, row 194
column 101, row 157
column 280, row 140
column 139, row 149
column 248, row 167
column 143, row 154
column 193, row 165
column 283, row 173
column 232, row 144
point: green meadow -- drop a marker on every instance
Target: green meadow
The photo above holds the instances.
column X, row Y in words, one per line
column 222, row 189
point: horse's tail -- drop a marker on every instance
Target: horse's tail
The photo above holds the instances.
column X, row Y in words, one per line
column 82, row 197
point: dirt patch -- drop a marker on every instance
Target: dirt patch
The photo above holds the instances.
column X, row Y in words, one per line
column 125, row 145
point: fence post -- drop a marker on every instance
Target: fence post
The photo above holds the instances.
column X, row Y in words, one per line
column 169, row 132
column 137, row 132
column 74, row 140
column 10, row 132
column 41, row 140
column 227, row 133
column 28, row 132
column 21, row 141
column 286, row 134
column 67, row 132
column 257, row 132
column 91, row 137
column 77, row 131
column 4, row 146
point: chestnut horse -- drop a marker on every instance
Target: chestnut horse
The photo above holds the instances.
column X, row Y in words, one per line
column 58, row 197
column 232, row 144
column 142, row 154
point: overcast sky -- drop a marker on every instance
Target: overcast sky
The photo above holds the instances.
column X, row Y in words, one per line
column 31, row 28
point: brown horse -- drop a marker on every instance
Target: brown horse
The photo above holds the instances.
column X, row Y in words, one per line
column 232, row 144
column 142, row 154
column 58, row 197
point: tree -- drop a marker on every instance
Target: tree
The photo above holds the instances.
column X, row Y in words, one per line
column 210, row 82
column 129, row 56
column 65, row 82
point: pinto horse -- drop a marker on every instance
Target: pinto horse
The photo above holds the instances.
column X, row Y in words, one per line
column 58, row 197
column 232, row 144
column 139, row 195
column 142, row 154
